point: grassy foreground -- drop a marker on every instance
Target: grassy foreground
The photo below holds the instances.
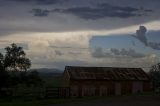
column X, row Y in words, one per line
column 46, row 102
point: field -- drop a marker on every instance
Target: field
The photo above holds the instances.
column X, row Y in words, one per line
column 126, row 100
column 52, row 79
column 147, row 100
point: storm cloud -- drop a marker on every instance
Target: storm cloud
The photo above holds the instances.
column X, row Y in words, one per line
column 154, row 45
column 141, row 36
column 40, row 2
column 103, row 10
column 40, row 12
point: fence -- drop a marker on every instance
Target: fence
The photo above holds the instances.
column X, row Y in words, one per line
column 47, row 92
column 58, row 92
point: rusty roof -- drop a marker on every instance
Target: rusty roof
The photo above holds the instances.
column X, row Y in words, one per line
column 106, row 73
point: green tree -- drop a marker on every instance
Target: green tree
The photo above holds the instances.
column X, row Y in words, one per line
column 15, row 59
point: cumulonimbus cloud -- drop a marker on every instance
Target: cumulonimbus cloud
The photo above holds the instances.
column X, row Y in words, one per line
column 141, row 36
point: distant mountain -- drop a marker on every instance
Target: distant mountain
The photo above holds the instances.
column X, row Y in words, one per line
column 48, row 70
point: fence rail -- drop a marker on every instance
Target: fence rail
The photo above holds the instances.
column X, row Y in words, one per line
column 46, row 92
column 58, row 92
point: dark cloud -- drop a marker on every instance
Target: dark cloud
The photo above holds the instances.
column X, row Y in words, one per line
column 102, row 11
column 154, row 45
column 40, row 2
column 99, row 53
column 59, row 53
column 40, row 12
column 140, row 35
column 117, row 8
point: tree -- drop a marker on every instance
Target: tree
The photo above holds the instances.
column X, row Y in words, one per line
column 155, row 75
column 4, row 77
column 15, row 59
column 13, row 68
column 1, row 62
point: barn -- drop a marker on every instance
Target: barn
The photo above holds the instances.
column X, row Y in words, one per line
column 103, row 81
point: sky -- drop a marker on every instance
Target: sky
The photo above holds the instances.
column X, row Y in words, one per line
column 56, row 33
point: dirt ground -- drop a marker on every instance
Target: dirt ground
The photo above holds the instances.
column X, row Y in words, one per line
column 143, row 100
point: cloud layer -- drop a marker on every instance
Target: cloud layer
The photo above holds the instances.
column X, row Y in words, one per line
column 40, row 2
column 104, row 10
column 40, row 12
column 116, row 53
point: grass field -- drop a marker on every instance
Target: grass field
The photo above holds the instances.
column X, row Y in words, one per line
column 70, row 101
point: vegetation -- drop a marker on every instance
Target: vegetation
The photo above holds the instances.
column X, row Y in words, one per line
column 155, row 75
column 3, row 74
column 13, row 71
column 46, row 102
column 15, row 59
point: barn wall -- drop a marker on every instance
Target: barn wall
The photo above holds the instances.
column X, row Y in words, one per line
column 104, row 88
column 137, row 87
column 118, row 88
column 126, row 87
column 147, row 86
column 92, row 88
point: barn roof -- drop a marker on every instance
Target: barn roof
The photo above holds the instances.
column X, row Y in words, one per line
column 106, row 73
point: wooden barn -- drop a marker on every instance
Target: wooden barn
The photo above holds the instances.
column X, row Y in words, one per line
column 103, row 81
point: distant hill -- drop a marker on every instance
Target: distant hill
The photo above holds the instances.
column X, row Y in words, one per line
column 49, row 72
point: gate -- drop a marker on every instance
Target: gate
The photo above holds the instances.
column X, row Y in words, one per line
column 57, row 92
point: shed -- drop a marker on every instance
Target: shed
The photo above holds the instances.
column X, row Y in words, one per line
column 103, row 81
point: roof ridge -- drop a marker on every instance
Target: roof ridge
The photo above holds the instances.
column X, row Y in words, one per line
column 102, row 67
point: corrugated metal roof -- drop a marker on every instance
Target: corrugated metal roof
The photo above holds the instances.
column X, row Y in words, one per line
column 106, row 73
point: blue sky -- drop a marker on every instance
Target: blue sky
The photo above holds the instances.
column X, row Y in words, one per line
column 125, row 41
column 56, row 33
